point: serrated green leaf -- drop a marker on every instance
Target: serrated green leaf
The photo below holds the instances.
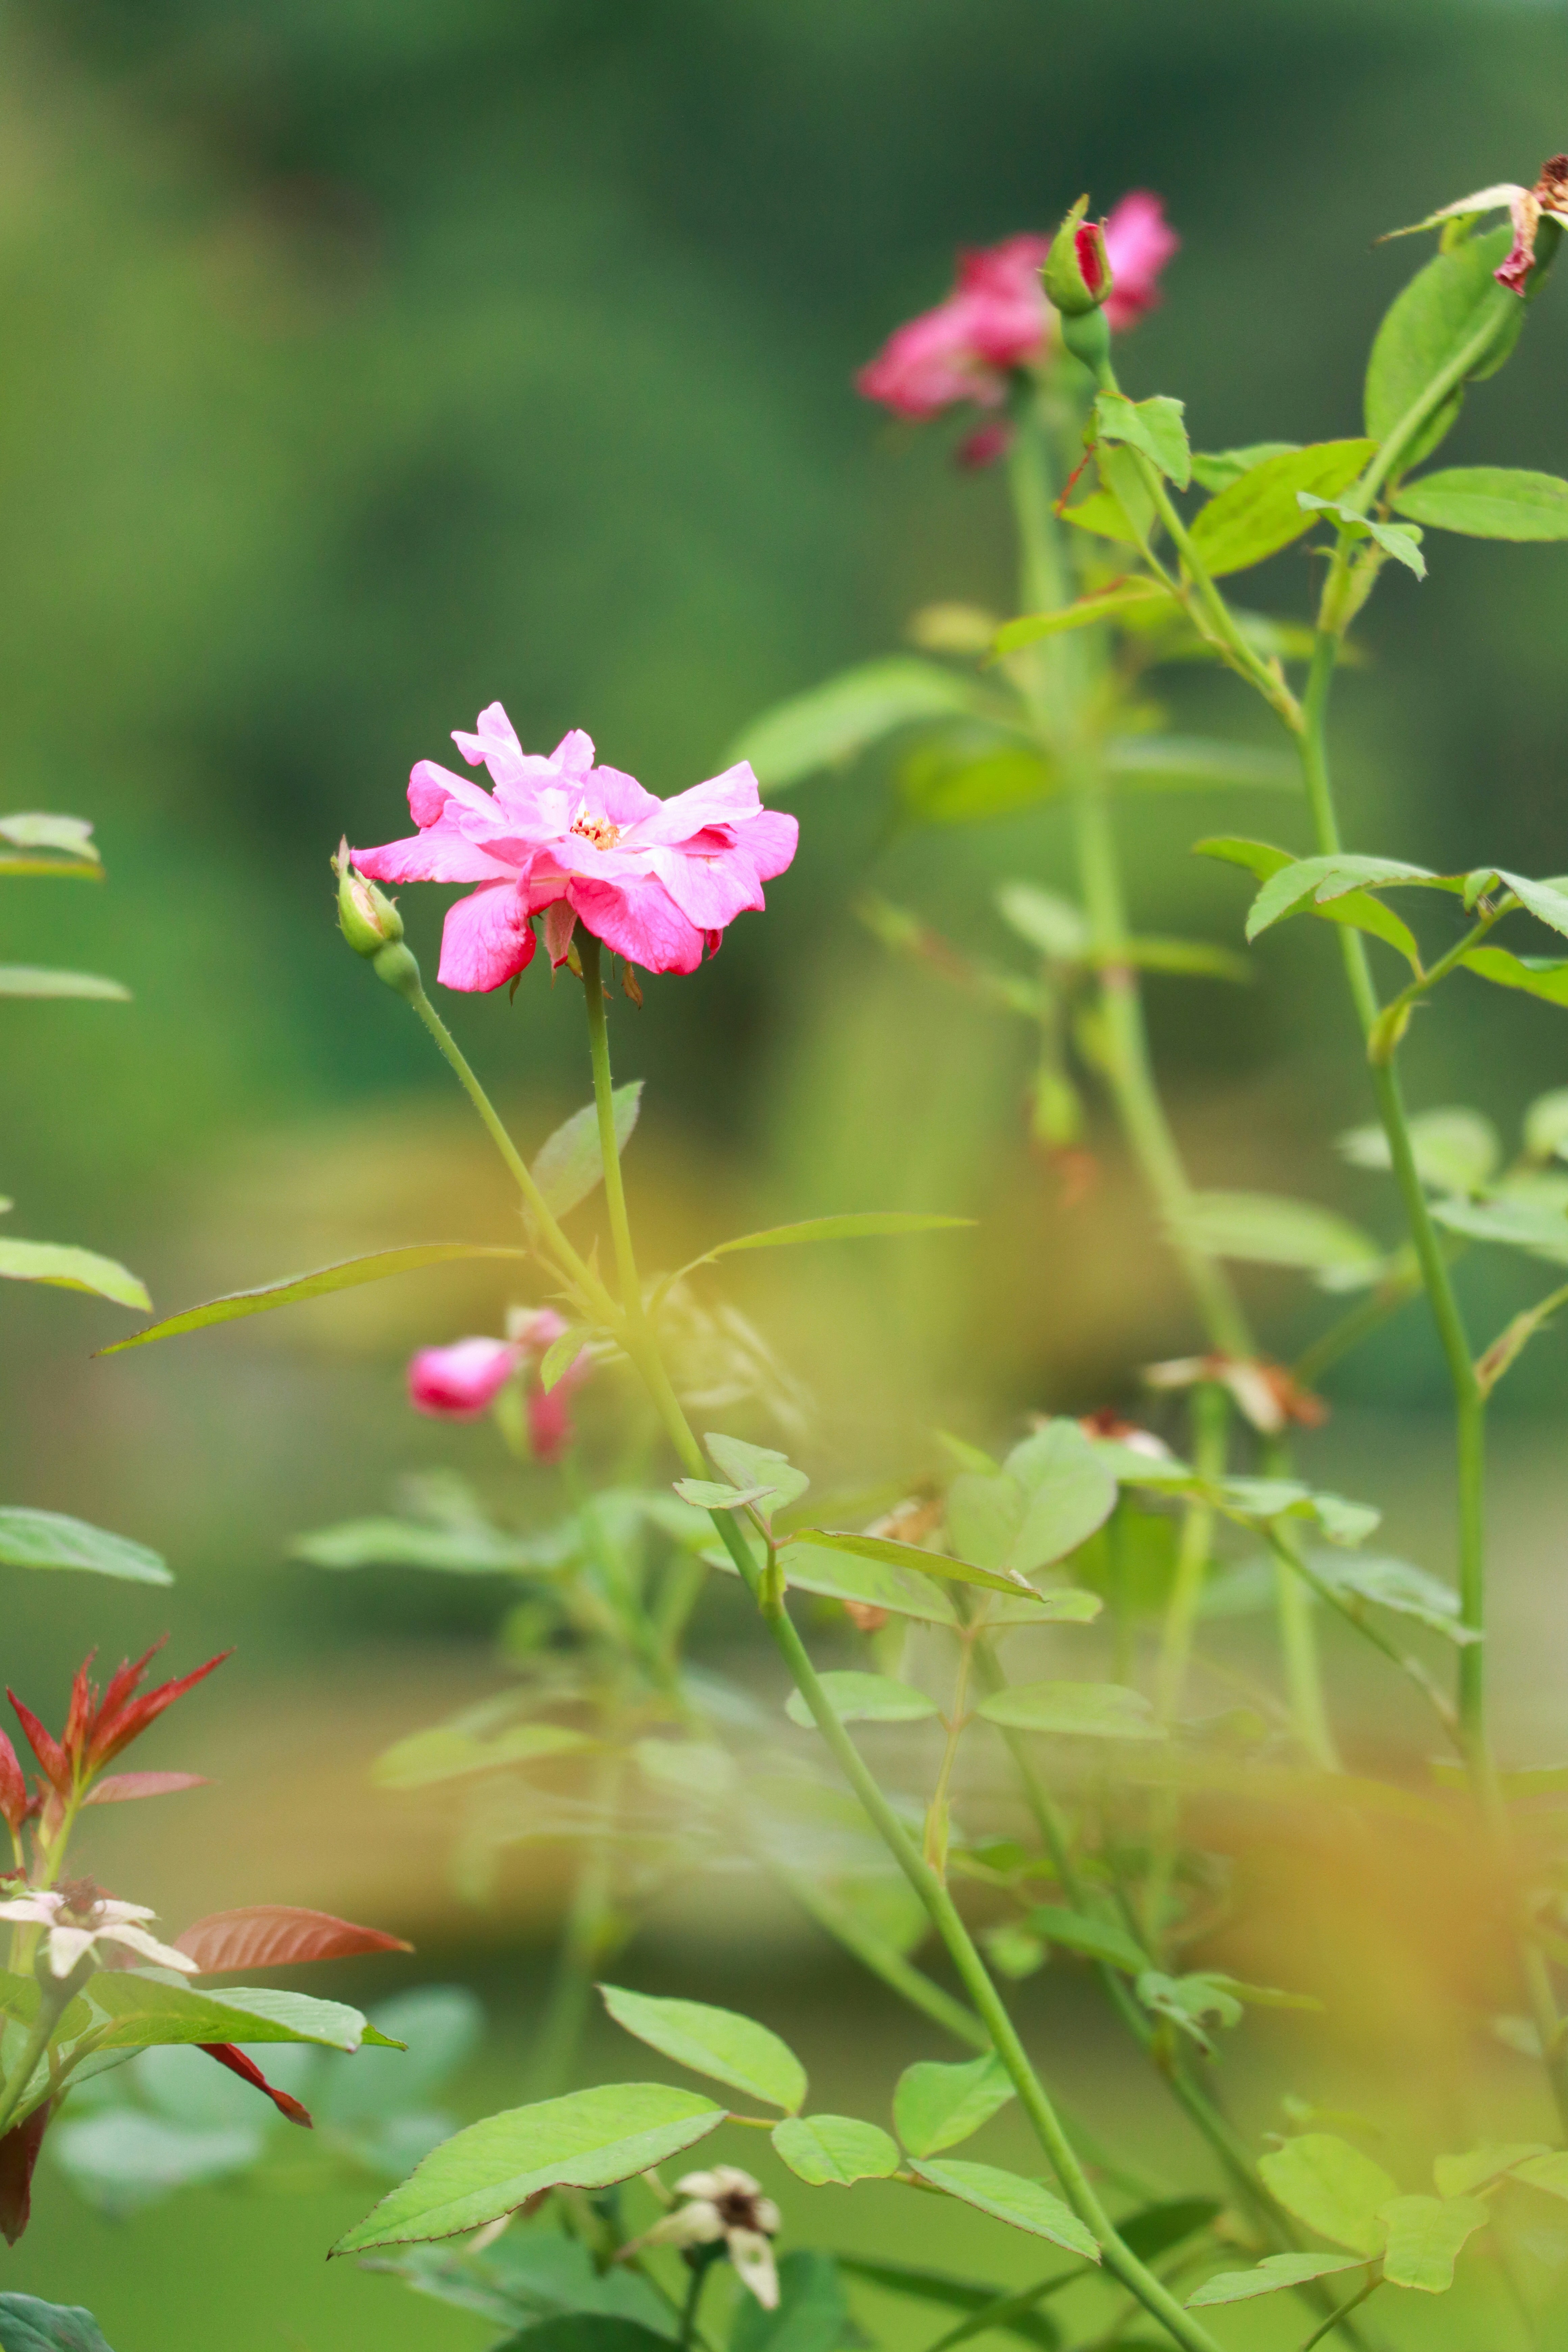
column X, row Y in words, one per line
column 1273, row 2273
column 1477, row 2168
column 1333, row 2186
column 1074, row 1711
column 1534, row 1227
column 1069, row 1491
column 1547, row 901
column 587, row 2331
column 345, row 1275
column 1007, row 2197
column 1092, row 1939
column 567, row 1166
column 42, row 980
column 869, row 1583
column 72, row 1269
column 1404, row 546
column 835, row 2151
column 1407, row 1590
column 1215, row 469
column 445, row 1752
column 771, row 1472
column 1124, row 596
column 139, row 2012
column 1266, row 1229
column 1360, row 910
column 1257, row 515
column 715, row 2042
column 561, row 1355
column 1489, row 502
column 887, row 1552
column 709, row 1495
column 1154, row 428
column 832, row 724
column 31, row 1538
column 1542, row 976
column 864, row 1698
column 589, row 2139
column 936, row 2105
column 1426, row 2237
column 1193, row 763
column 28, row 2326
column 1424, row 330
column 1324, row 879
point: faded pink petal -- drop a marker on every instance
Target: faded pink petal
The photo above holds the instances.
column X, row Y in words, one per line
column 549, row 1430
column 535, row 1330
column 459, row 1383
column 656, row 880
column 1138, row 242
column 984, row 446
column 931, row 364
column 486, row 939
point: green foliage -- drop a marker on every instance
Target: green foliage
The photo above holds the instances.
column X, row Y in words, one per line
column 41, row 979
column 346, row 1276
column 1404, row 545
column 1456, row 1150
column 1427, row 327
column 1268, row 1229
column 581, row 2332
column 29, row 2326
column 1092, row 1939
column 969, row 776
column 833, row 724
column 1074, row 1711
column 527, row 2277
column 936, row 2105
column 812, row 2315
column 31, row 1538
column 72, row 1269
column 1333, row 2188
column 714, row 2041
column 1489, row 502
column 567, row 1168
column 1112, row 603
column 1359, row 908
column 1426, row 2236
column 1272, row 2273
column 835, row 2151
column 1009, row 2315
column 1215, row 469
column 589, row 2139
column 771, row 1474
column 1153, row 428
column 885, row 1550
column 1007, row 2197
column 1193, row 763
column 864, row 1698
column 452, row 1752
column 1259, row 513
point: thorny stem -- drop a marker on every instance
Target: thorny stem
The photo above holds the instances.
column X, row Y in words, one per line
column 944, row 1913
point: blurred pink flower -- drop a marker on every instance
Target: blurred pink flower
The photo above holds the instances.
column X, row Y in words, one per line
column 655, row 880
column 459, row 1382
column 997, row 318
column 550, row 1425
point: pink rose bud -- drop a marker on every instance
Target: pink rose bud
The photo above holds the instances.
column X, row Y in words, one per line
column 1076, row 273
column 459, row 1383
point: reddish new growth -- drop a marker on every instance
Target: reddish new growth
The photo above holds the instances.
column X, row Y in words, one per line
column 98, row 1725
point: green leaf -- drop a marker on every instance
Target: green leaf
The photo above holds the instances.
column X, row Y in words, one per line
column 1265, row 1229
column 1153, row 428
column 858, row 1224
column 1404, row 546
column 1324, row 879
column 834, row 2151
column 1546, row 1126
column 1489, row 502
column 1012, row 2314
column 1274, row 2272
column 35, row 829
column 883, row 1548
column 1477, row 2168
column 446, row 1752
column 1258, row 515
column 443, row 2026
column 140, row 2011
column 1456, row 1150
column 1093, row 1939
column 49, row 1539
column 1546, row 900
column 42, row 980
column 561, row 1355
column 121, row 2160
column 1121, row 508
column 568, row 1165
column 1215, row 469
column 1546, row 2172
column 714, row 2041
column 1406, row 1590
column 1426, row 2235
column 585, row 2331
column 1008, row 2196
column 708, row 1494
column 526, row 2276
column 1102, row 604
column 1069, row 1491
column 1542, row 976
column 28, row 2326
column 1074, row 1711
column 1044, row 921
column 811, row 2313
column 1193, row 763
column 871, row 1584
column 936, row 2105
column 476, row 1550
column 1424, row 331
column 1360, row 910
column 832, row 724
column 1524, row 1225
column 943, row 783
column 864, row 1698
column 771, row 1473
column 73, row 1269
column 589, row 2139
column 1333, row 2186
column 1153, row 2230
column 345, row 1275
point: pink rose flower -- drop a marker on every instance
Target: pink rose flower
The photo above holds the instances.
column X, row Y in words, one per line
column 550, row 1424
column 997, row 318
column 656, row 880
column 459, row 1382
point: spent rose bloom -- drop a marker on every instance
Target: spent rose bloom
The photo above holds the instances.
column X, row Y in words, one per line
column 77, row 1917
column 997, row 317
column 459, row 1383
column 725, row 2203
column 657, row 881
column 1527, row 207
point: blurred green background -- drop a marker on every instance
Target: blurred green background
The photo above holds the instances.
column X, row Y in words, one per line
column 362, row 365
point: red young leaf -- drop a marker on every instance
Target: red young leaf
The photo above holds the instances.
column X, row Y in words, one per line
column 120, row 1788
column 112, row 1731
column 13, row 1788
column 18, row 2154
column 277, row 1935
column 44, row 1746
column 249, row 2071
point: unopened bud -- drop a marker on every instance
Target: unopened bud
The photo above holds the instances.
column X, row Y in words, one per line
column 1077, row 274
column 367, row 917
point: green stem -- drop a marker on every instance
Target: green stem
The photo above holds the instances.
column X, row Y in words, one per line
column 53, row 2000
column 1343, row 2312
column 1194, row 1546
column 927, row 1883
column 582, row 1950
column 1298, row 1636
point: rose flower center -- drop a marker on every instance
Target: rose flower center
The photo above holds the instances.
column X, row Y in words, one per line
column 599, row 830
